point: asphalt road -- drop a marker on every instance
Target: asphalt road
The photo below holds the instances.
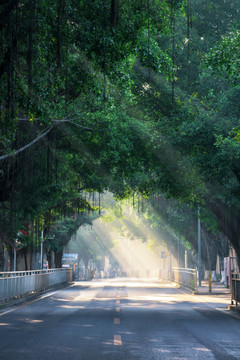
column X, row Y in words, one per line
column 120, row 319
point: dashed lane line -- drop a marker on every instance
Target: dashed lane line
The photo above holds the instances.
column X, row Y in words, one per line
column 116, row 321
column 117, row 340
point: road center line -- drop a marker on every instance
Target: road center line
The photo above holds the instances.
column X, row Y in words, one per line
column 117, row 340
column 117, row 301
column 117, row 309
column 116, row 321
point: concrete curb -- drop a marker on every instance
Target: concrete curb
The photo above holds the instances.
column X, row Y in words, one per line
column 212, row 293
column 31, row 296
column 234, row 308
column 188, row 290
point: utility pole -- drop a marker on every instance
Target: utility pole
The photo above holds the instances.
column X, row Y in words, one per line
column 170, row 260
column 199, row 248
column 186, row 259
column 14, row 259
column 41, row 255
column 179, row 251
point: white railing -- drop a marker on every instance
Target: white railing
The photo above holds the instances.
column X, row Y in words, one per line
column 163, row 274
column 185, row 277
column 22, row 283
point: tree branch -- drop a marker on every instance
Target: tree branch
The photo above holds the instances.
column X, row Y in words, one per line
column 15, row 152
column 39, row 137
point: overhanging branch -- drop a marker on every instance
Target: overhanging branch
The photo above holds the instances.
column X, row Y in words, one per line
column 15, row 152
column 39, row 137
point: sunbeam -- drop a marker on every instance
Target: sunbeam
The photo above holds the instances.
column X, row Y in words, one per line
column 122, row 243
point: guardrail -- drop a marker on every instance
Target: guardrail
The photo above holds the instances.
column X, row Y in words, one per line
column 235, row 288
column 163, row 274
column 22, row 283
column 185, row 277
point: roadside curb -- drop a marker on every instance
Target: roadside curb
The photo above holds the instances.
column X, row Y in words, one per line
column 210, row 293
column 31, row 296
column 35, row 295
column 195, row 292
column 188, row 290
column 234, row 308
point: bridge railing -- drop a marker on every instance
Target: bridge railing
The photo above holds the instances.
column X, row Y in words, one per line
column 22, row 283
column 185, row 277
column 163, row 274
column 235, row 288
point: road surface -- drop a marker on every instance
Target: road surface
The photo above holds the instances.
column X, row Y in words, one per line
column 120, row 319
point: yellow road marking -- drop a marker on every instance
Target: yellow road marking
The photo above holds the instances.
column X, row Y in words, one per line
column 116, row 321
column 118, row 301
column 117, row 309
column 117, row 340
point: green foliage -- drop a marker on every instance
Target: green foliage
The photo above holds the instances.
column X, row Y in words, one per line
column 225, row 56
column 152, row 56
column 61, row 232
column 115, row 101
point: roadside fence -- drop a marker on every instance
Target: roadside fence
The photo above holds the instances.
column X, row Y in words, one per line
column 185, row 277
column 17, row 284
column 235, row 288
column 163, row 274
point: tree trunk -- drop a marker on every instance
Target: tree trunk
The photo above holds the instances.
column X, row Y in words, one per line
column 11, row 257
column 30, row 46
column 114, row 18
column 228, row 221
column 59, row 39
column 1, row 257
column 58, row 259
column 49, row 259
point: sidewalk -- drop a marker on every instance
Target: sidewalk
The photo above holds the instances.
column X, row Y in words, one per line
column 217, row 289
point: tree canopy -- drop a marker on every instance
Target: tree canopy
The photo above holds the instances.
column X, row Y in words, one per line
column 132, row 97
